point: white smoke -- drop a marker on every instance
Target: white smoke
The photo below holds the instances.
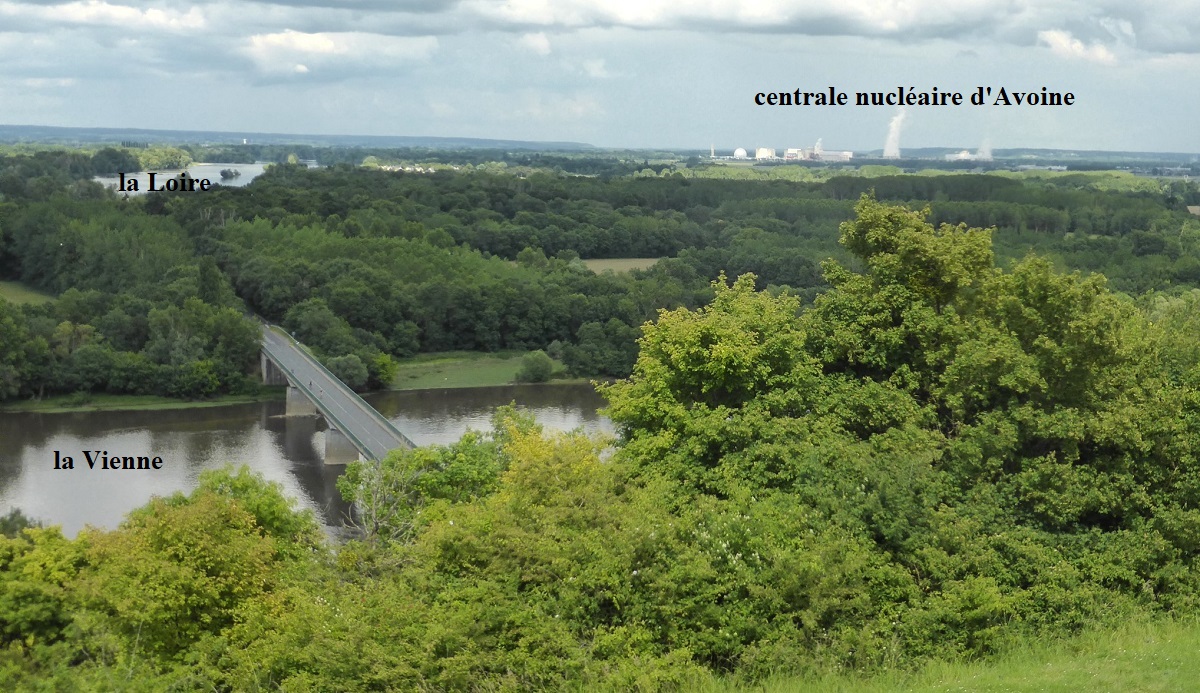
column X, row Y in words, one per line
column 891, row 148
column 985, row 151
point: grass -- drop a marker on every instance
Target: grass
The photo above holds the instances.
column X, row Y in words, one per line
column 620, row 264
column 1140, row 657
column 87, row 401
column 458, row 369
column 19, row 293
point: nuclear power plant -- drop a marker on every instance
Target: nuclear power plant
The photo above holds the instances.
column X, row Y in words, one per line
column 814, row 153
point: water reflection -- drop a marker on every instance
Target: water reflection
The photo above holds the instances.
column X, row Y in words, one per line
column 283, row 449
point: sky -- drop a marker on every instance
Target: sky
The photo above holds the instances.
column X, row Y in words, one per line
column 613, row 73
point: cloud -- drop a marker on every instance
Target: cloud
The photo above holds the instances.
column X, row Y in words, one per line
column 1064, row 44
column 99, row 13
column 538, row 43
column 300, row 53
column 869, row 17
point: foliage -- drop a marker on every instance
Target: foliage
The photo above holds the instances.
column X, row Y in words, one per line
column 274, row 513
column 350, row 370
column 36, row 569
column 536, row 367
column 15, row 521
column 390, row 497
column 173, row 573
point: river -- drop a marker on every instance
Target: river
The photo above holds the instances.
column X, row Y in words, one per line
column 189, row 441
column 198, row 171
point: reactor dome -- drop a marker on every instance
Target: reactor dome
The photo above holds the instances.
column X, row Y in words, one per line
column 739, row 153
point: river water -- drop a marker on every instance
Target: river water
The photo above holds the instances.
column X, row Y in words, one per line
column 283, row 449
column 198, row 171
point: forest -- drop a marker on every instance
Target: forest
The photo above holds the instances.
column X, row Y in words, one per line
column 368, row 266
column 863, row 423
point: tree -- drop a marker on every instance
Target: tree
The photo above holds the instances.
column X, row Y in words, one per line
column 176, row 570
column 13, row 340
column 349, row 369
column 536, row 367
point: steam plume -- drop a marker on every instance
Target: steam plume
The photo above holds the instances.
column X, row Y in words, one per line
column 891, row 149
column 985, row 151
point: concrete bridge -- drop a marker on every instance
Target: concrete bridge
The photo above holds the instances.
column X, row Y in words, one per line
column 356, row 430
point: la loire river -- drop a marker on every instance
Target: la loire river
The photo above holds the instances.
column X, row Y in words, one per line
column 210, row 171
column 189, row 441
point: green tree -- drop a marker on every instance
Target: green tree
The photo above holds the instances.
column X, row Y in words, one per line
column 349, row 369
column 176, row 570
column 536, row 367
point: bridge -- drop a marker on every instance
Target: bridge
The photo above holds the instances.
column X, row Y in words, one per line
column 356, row 430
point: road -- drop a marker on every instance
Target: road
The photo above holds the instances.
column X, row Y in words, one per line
column 371, row 433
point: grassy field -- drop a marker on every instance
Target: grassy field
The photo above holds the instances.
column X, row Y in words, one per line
column 1154, row 657
column 458, row 369
column 620, row 264
column 59, row 404
column 19, row 293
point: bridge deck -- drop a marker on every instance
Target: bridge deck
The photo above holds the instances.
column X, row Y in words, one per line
column 370, row 432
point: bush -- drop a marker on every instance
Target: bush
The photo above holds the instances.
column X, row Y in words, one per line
column 349, row 369
column 536, row 367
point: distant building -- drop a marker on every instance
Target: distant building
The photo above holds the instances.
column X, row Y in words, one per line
column 765, row 153
column 739, row 153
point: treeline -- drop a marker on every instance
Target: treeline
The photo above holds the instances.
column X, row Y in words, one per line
column 38, row 174
column 938, row 458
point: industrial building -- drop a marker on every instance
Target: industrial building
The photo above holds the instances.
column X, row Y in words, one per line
column 815, row 153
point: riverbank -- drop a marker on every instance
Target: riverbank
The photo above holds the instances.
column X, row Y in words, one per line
column 61, row 404
column 442, row 370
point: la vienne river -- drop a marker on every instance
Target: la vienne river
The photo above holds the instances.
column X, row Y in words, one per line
column 280, row 448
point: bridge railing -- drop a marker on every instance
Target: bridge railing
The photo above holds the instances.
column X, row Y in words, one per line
column 371, row 411
column 329, row 415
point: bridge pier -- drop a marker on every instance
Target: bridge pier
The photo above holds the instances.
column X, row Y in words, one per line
column 338, row 448
column 298, row 403
column 271, row 374
column 313, row 390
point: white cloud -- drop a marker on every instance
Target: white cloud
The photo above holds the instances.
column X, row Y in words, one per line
column 804, row 16
column 1064, row 44
column 538, row 43
column 99, row 13
column 299, row 53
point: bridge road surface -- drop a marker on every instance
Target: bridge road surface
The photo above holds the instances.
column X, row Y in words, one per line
column 346, row 411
